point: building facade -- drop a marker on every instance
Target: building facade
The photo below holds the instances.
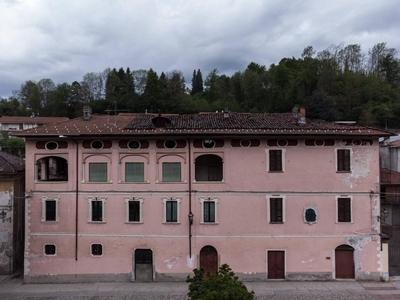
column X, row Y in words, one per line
column 142, row 197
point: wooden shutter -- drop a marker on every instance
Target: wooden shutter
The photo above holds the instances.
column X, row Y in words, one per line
column 344, row 209
column 276, row 211
column 275, row 160
column 343, row 160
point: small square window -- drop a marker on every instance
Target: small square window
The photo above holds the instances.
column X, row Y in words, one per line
column 97, row 172
column 344, row 210
column 343, row 160
column 50, row 249
column 96, row 249
column 134, row 172
column 171, row 172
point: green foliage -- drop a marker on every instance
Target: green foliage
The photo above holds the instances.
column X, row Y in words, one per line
column 223, row 285
column 14, row 145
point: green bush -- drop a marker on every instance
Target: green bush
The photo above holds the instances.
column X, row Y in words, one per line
column 223, row 285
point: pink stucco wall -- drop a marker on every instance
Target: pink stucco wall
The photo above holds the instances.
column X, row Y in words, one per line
column 243, row 234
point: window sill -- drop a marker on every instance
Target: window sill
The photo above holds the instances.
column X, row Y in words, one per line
column 337, row 222
column 171, row 223
column 51, row 181
column 210, row 182
column 97, row 182
column 343, row 171
column 135, row 182
column 276, row 222
column 209, row 223
column 275, row 171
column 133, row 222
column 97, row 222
column 49, row 222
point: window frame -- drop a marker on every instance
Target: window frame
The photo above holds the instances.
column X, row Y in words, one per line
column 340, row 165
column 178, row 201
column 44, row 250
column 313, row 208
column 134, row 199
column 103, row 200
column 268, row 157
column 143, row 171
column 98, row 163
column 204, row 200
column 91, row 250
column 171, row 163
column 44, row 210
column 283, row 200
column 350, row 209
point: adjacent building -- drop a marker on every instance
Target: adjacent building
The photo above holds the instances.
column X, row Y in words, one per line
column 16, row 123
column 142, row 197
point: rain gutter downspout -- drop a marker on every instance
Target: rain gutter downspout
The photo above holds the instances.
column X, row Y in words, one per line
column 190, row 200
column 76, row 198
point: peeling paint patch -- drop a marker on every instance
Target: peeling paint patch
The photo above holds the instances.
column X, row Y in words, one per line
column 307, row 261
column 358, row 241
column 361, row 159
column 171, row 261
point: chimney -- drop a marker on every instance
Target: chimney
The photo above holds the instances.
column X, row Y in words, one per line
column 226, row 113
column 87, row 113
column 302, row 116
column 295, row 112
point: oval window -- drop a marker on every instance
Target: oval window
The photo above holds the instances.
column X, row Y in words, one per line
column 245, row 143
column 310, row 215
column 134, row 145
column 282, row 143
column 51, row 145
column 357, row 142
column 170, row 144
column 319, row 143
column 208, row 144
column 97, row 145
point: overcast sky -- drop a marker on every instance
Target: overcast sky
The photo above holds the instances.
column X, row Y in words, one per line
column 64, row 40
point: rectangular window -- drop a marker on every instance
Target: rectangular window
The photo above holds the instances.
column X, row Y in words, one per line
column 98, row 172
column 275, row 160
column 171, row 172
column 276, row 210
column 209, row 211
column 344, row 210
column 171, row 211
column 343, row 160
column 97, row 211
column 51, row 208
column 96, row 249
column 134, row 172
column 134, row 211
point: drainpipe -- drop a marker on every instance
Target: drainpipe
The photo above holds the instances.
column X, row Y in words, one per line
column 190, row 216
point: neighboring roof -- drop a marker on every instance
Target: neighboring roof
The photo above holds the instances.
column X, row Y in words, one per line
column 388, row 176
column 34, row 120
column 10, row 164
column 196, row 124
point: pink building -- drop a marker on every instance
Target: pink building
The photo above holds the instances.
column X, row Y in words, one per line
column 141, row 197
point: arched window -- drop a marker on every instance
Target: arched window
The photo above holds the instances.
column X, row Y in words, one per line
column 52, row 168
column 208, row 168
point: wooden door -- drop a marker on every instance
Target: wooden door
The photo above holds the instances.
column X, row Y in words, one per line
column 276, row 264
column 344, row 262
column 209, row 259
column 143, row 265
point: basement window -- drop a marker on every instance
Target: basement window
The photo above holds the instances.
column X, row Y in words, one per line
column 50, row 249
column 96, row 249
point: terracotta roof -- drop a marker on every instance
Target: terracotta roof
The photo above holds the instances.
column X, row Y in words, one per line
column 205, row 123
column 35, row 120
column 10, row 164
column 389, row 176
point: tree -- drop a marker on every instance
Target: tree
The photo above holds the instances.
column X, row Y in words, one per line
column 197, row 82
column 211, row 92
column 223, row 285
column 321, row 106
column 14, row 145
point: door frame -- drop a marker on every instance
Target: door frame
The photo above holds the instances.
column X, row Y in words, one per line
column 284, row 263
column 133, row 273
column 334, row 261
column 216, row 252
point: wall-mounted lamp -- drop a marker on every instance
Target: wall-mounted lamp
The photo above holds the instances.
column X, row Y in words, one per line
column 190, row 216
column 384, row 214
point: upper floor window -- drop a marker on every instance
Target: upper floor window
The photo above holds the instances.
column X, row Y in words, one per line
column 171, row 172
column 275, row 160
column 97, row 172
column 208, row 144
column 51, row 168
column 344, row 209
column 134, row 210
column 96, row 209
column 343, row 160
column 170, row 144
column 171, row 209
column 134, row 144
column 209, row 210
column 134, row 172
column 50, row 209
column 276, row 209
column 97, row 145
column 208, row 167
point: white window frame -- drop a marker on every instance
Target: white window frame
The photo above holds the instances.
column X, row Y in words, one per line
column 102, row 199
column 269, row 207
column 337, row 160
column 44, row 250
column 283, row 159
column 337, row 209
column 137, row 199
column 44, row 200
column 209, row 199
column 164, row 201
column 102, row 250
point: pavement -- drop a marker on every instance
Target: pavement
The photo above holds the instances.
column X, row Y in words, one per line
column 12, row 287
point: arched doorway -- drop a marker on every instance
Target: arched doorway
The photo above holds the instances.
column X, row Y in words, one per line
column 344, row 262
column 209, row 259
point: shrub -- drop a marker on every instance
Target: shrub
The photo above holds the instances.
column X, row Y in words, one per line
column 223, row 285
